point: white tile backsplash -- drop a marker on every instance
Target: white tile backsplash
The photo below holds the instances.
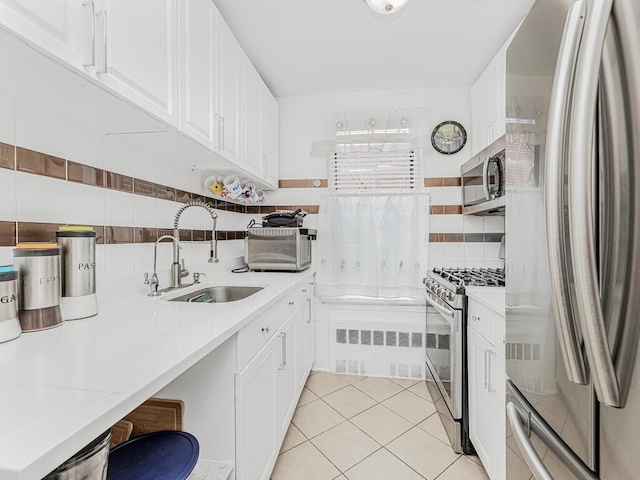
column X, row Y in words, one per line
column 474, row 252
column 118, row 208
column 165, row 171
column 41, row 199
column 473, row 224
column 145, row 212
column 8, row 204
column 7, row 119
column 491, row 252
column 451, row 195
column 118, row 156
column 85, row 204
column 454, row 252
column 144, row 165
column 453, row 223
column 84, row 145
column 40, row 130
column 119, row 260
column 494, row 224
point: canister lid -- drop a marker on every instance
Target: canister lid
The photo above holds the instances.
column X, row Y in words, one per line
column 7, row 273
column 75, row 231
column 36, row 250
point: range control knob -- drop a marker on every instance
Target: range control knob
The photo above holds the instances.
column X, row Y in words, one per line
column 433, row 287
column 444, row 295
column 451, row 296
column 438, row 291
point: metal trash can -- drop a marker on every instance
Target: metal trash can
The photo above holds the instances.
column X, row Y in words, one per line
column 90, row 463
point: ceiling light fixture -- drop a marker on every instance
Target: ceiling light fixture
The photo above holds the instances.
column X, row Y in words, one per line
column 386, row 7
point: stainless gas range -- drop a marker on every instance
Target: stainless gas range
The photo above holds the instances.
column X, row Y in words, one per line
column 446, row 353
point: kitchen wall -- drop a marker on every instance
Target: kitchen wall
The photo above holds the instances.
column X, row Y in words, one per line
column 456, row 240
column 54, row 172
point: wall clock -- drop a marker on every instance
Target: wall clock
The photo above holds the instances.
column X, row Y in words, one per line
column 449, row 137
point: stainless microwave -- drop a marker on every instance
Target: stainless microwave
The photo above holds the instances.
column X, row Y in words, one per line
column 281, row 248
column 483, row 182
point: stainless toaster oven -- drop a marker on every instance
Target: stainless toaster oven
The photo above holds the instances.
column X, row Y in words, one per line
column 278, row 248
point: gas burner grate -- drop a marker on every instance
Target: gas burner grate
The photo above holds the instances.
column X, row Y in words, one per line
column 482, row 277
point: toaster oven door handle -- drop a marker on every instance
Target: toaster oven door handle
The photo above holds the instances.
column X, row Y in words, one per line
column 485, row 178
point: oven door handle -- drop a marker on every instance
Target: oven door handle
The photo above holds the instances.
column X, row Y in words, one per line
column 445, row 312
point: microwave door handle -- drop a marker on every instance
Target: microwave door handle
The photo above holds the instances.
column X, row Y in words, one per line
column 554, row 185
column 485, row 178
column 581, row 207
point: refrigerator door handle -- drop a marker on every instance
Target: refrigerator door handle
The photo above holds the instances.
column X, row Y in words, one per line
column 581, row 202
column 554, row 195
column 485, row 178
column 529, row 453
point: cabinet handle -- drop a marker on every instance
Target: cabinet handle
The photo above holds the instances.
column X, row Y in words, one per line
column 291, row 303
column 486, row 383
column 265, row 329
column 217, row 117
column 304, row 290
column 222, row 134
column 283, row 335
column 92, row 11
column 309, row 315
column 103, row 15
column 489, row 389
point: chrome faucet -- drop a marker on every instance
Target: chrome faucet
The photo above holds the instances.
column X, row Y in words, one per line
column 153, row 282
column 178, row 271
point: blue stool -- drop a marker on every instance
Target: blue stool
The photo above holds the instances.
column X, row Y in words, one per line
column 167, row 455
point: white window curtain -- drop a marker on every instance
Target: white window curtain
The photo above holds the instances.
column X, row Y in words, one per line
column 373, row 245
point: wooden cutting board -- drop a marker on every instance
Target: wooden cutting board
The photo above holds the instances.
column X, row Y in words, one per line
column 156, row 415
column 120, row 433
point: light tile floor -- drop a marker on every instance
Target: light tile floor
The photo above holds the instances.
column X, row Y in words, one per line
column 365, row 428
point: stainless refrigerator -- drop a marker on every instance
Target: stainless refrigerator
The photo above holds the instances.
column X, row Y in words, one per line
column 573, row 249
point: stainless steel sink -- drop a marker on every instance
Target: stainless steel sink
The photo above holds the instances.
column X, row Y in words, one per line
column 218, row 294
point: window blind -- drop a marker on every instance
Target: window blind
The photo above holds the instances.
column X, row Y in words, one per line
column 378, row 171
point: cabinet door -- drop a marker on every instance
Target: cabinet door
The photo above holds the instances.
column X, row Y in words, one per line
column 287, row 391
column 269, row 137
column 498, row 379
column 141, row 53
column 500, row 93
column 251, row 118
column 256, row 449
column 61, row 28
column 482, row 111
column 482, row 429
column 229, row 92
column 309, row 331
column 198, row 29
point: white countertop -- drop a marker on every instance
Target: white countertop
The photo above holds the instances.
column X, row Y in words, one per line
column 61, row 388
column 491, row 297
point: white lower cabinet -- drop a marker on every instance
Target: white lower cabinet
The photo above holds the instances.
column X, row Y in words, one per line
column 269, row 386
column 487, row 403
column 286, row 375
column 256, row 407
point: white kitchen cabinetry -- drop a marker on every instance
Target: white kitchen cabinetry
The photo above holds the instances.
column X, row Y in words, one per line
column 274, row 363
column 199, row 71
column 61, row 28
column 256, row 413
column 251, row 118
column 269, row 137
column 137, row 53
column 229, row 61
column 488, row 103
column 486, row 389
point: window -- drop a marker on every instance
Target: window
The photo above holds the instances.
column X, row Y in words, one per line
column 396, row 171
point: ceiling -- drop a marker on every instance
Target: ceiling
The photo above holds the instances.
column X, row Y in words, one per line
column 303, row 47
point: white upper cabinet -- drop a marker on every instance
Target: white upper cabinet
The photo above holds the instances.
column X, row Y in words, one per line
column 199, row 71
column 61, row 28
column 269, row 137
column 251, row 118
column 488, row 103
column 137, row 53
column 229, row 93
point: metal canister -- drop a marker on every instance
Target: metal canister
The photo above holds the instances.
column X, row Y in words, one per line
column 78, row 253
column 9, row 323
column 39, row 288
